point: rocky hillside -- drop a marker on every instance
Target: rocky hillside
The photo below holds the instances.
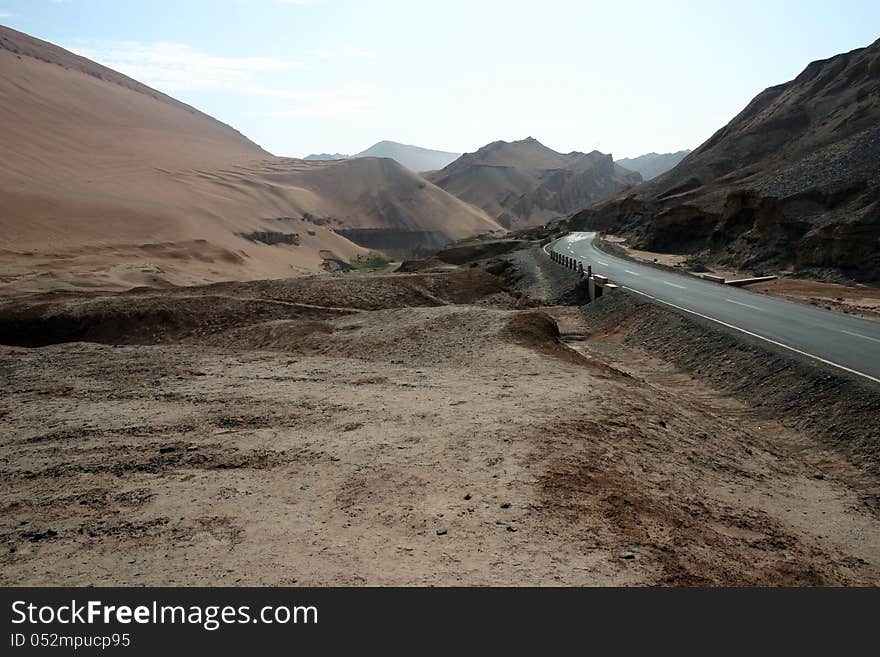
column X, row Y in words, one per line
column 524, row 183
column 792, row 181
column 652, row 165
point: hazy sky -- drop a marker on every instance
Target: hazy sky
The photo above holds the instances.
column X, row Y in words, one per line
column 301, row 76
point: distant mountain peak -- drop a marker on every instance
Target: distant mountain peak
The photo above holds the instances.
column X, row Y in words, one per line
column 415, row 158
column 524, row 183
column 327, row 156
column 650, row 165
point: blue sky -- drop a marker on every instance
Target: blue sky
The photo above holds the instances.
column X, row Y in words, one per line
column 302, row 76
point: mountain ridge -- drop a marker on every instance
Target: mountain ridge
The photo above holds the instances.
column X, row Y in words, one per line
column 650, row 165
column 524, row 183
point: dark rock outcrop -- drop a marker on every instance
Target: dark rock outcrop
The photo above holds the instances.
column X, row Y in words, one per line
column 271, row 237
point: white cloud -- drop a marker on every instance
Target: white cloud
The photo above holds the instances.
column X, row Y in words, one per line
column 176, row 67
column 359, row 91
column 333, row 108
column 347, row 52
column 324, row 103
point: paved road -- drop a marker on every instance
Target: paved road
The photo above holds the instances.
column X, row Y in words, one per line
column 843, row 341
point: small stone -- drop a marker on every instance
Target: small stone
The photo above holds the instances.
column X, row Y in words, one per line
column 442, row 531
column 511, row 528
column 505, row 505
column 305, row 487
column 819, row 475
column 627, row 556
column 467, row 497
column 663, row 423
column 35, row 536
column 500, row 522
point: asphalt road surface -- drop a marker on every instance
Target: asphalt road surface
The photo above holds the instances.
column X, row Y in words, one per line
column 843, row 341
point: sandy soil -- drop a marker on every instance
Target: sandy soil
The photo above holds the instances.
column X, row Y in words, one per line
column 858, row 299
column 421, row 430
column 668, row 259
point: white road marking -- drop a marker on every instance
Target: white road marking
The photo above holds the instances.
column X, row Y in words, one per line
column 680, row 287
column 859, row 335
column 760, row 337
column 632, row 272
column 604, row 264
column 755, row 335
column 747, row 305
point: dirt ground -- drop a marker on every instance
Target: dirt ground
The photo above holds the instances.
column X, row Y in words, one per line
column 417, row 429
column 857, row 299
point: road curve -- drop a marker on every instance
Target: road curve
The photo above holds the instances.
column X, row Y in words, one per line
column 843, row 341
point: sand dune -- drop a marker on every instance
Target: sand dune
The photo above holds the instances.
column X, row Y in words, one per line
column 108, row 183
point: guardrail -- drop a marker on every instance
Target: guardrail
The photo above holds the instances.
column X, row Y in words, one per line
column 597, row 285
column 748, row 281
column 737, row 282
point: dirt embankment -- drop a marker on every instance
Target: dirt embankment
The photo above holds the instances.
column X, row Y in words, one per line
column 839, row 409
column 401, row 430
column 146, row 316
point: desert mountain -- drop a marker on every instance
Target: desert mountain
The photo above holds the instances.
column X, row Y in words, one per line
column 106, row 182
column 652, row 165
column 414, row 158
column 524, row 183
column 319, row 157
column 792, row 181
